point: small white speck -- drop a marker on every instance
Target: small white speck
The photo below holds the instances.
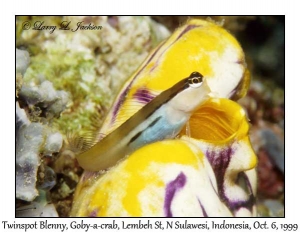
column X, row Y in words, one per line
column 242, row 111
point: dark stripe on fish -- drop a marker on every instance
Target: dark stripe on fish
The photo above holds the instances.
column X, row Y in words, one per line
column 155, row 121
column 139, row 133
column 135, row 137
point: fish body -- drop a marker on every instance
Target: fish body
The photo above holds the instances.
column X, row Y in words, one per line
column 161, row 118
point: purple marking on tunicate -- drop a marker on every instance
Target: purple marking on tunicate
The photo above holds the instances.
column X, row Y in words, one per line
column 143, row 95
column 93, row 214
column 238, row 204
column 120, row 101
column 211, row 183
column 244, row 176
column 152, row 56
column 236, row 89
column 219, row 162
column 202, row 208
column 235, row 205
column 173, row 187
column 242, row 61
column 88, row 174
column 156, row 63
column 188, row 28
column 154, row 66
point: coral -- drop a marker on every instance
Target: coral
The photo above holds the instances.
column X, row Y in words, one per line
column 38, row 208
column 28, row 141
column 36, row 141
column 51, row 144
column 22, row 61
column 49, row 101
column 32, row 140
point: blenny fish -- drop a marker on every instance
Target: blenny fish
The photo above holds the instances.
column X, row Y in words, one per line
column 163, row 117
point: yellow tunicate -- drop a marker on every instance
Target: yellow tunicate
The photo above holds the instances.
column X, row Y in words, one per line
column 138, row 185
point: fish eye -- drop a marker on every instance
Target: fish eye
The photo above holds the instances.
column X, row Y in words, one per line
column 195, row 79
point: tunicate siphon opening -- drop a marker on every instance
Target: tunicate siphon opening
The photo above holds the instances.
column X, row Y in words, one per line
column 218, row 120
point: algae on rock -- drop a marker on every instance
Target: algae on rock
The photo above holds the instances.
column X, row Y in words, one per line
column 90, row 65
